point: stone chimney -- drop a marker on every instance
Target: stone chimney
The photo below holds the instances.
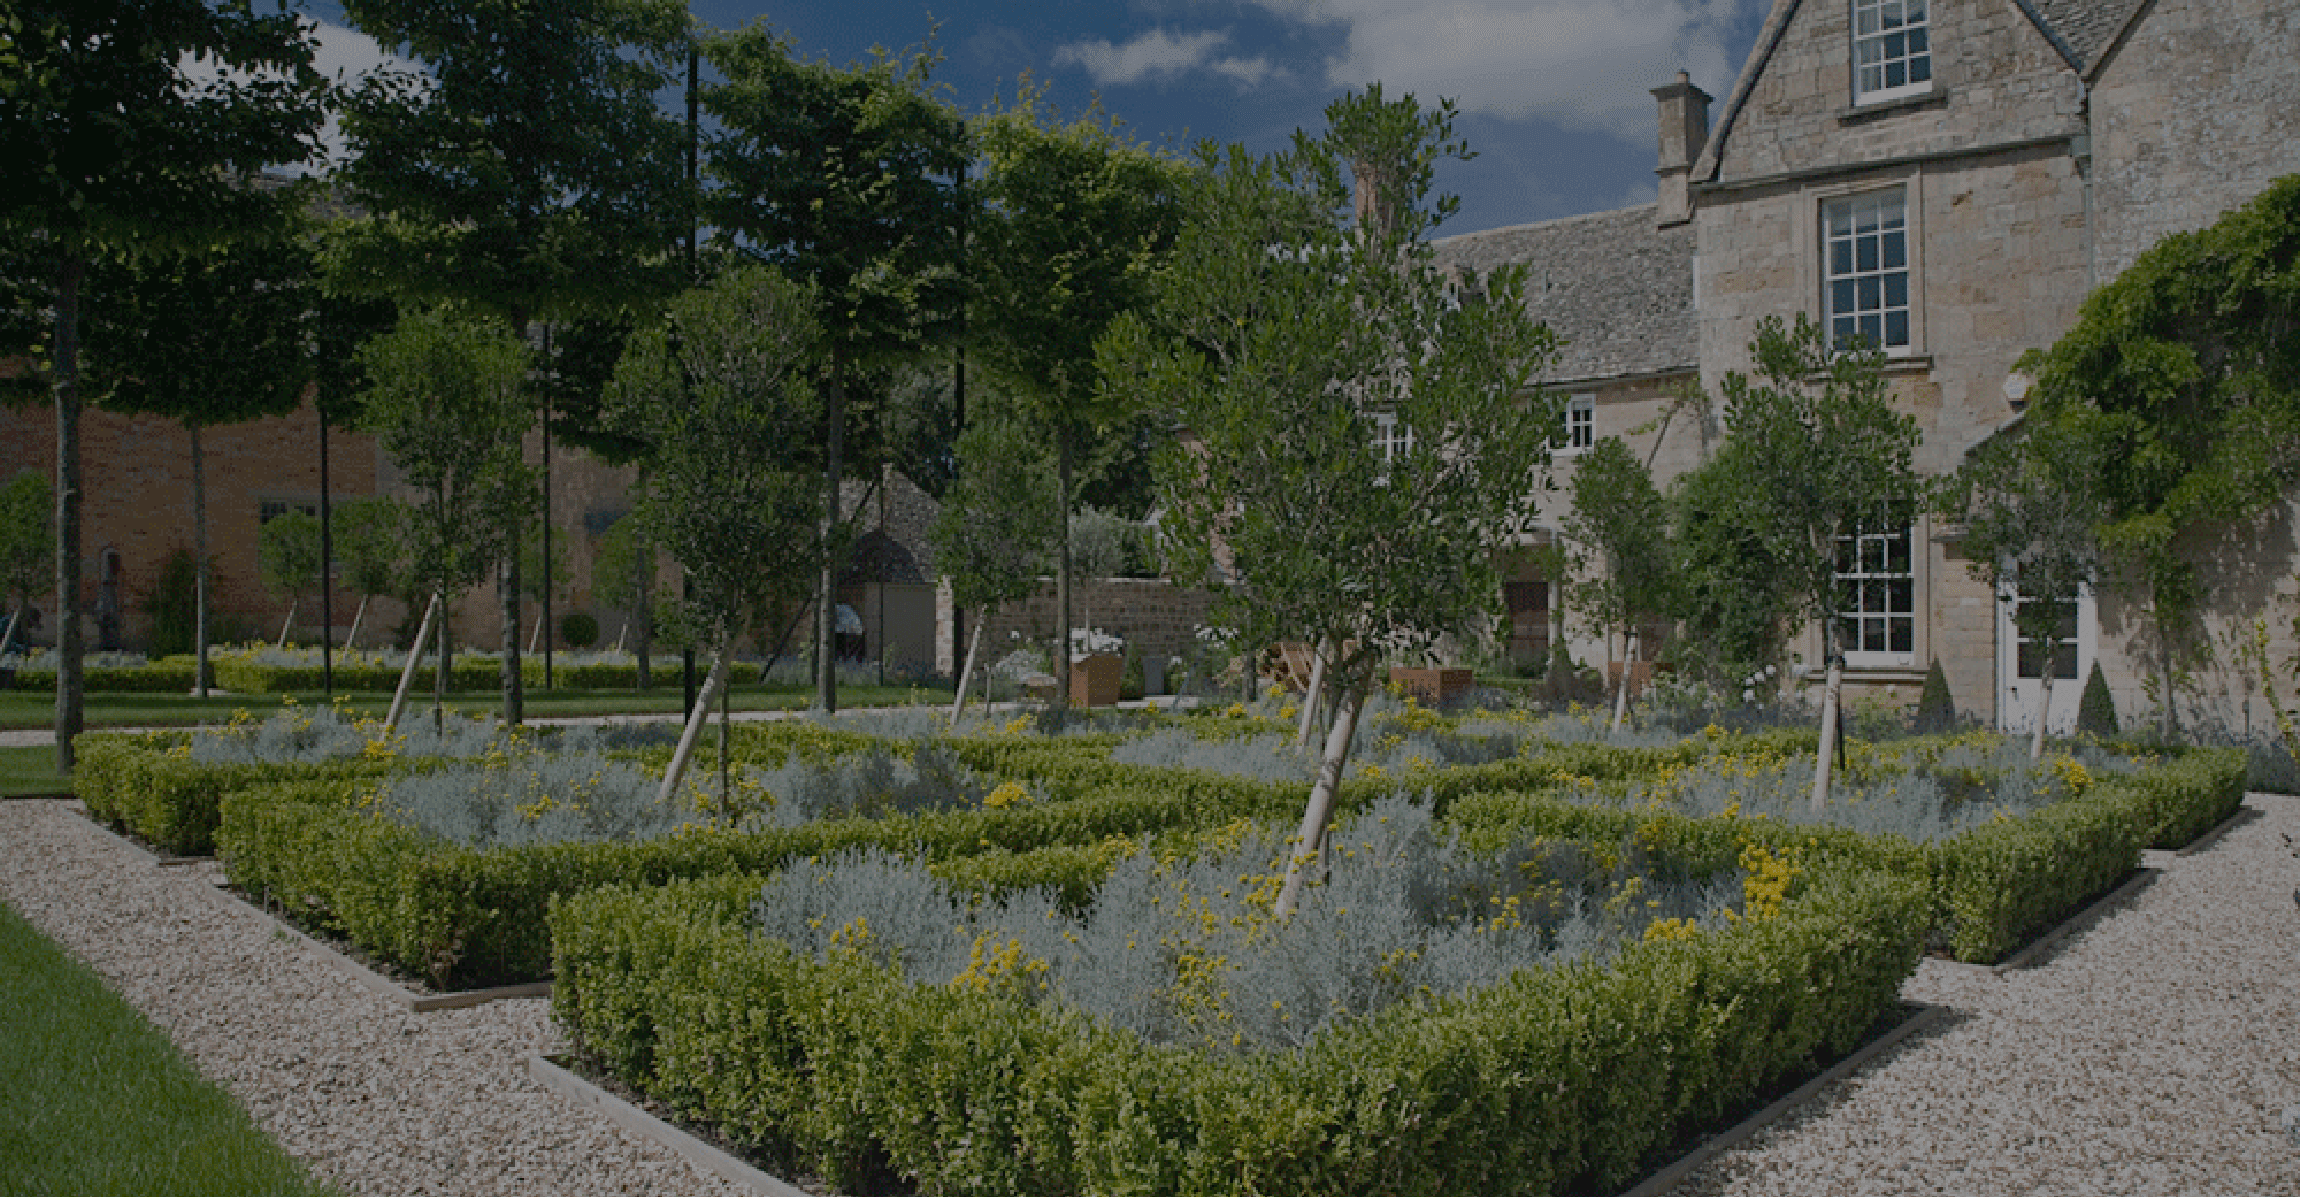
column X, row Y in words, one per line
column 1684, row 131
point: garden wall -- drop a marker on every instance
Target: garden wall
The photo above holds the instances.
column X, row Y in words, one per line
column 1154, row 615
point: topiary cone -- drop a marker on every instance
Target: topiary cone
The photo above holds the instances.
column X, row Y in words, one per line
column 1936, row 711
column 2096, row 711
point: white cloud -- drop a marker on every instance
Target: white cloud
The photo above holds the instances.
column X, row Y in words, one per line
column 1587, row 64
column 1162, row 55
column 343, row 55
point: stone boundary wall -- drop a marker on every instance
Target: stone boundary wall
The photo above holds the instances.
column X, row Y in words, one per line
column 1152, row 614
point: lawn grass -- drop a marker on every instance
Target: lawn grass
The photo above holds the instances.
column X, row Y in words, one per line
column 30, row 771
column 94, row 1100
column 31, row 709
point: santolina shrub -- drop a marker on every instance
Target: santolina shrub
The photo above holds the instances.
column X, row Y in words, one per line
column 1187, row 951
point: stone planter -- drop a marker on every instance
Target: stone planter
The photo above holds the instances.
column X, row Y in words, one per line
column 1434, row 687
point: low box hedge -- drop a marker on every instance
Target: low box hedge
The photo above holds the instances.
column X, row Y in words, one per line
column 1554, row 1080
column 466, row 918
column 241, row 674
column 143, row 783
column 169, row 675
column 1994, row 885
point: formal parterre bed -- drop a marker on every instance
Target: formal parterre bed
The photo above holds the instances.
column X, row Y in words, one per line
column 1012, row 961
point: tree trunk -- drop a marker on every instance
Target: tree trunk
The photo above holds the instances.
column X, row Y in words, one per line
column 407, row 670
column 71, row 678
column 2043, row 708
column 444, row 665
column 199, row 562
column 1062, row 578
column 2167, row 715
column 694, row 729
column 1825, row 752
column 1629, row 647
column 644, row 616
column 620, row 632
column 507, row 590
column 1312, row 696
column 1309, row 841
column 351, row 638
column 827, row 586
column 289, row 622
column 15, row 616
column 966, row 671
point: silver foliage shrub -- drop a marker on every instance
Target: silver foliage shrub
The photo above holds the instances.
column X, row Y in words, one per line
column 301, row 733
column 1185, row 951
column 525, row 797
column 873, row 783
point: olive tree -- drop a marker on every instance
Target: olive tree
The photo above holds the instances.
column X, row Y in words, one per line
column 724, row 391
column 996, row 527
column 1360, row 442
column 446, row 400
column 1816, row 451
column 1619, row 527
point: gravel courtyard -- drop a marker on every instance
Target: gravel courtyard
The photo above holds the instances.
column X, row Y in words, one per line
column 2152, row 1053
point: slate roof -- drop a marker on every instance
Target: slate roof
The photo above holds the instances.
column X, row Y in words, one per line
column 2086, row 28
column 1615, row 289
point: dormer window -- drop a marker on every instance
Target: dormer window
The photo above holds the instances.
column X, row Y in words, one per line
column 1892, row 50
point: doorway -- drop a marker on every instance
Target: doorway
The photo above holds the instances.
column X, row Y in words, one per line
column 2021, row 663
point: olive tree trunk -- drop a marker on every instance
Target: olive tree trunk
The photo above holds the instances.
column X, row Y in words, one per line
column 966, row 671
column 407, row 670
column 1309, row 843
column 1832, row 688
column 696, row 718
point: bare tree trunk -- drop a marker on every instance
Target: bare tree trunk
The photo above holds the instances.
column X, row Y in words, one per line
column 351, row 638
column 199, row 562
column 966, row 671
column 444, row 665
column 827, row 586
column 71, row 675
column 407, row 670
column 1825, row 753
column 1313, row 696
column 15, row 616
column 621, row 632
column 1062, row 579
column 1629, row 650
column 644, row 616
column 1309, row 841
column 2043, row 709
column 289, row 622
column 695, row 720
column 507, row 590
column 2168, row 715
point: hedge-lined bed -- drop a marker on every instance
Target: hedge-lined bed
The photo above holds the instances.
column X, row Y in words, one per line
column 1551, row 1079
column 470, row 917
column 168, row 675
column 244, row 674
column 1992, row 886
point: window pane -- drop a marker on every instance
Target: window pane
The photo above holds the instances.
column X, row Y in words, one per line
column 1872, row 636
column 1901, row 595
column 1867, row 256
column 1904, row 636
column 1872, row 331
column 1840, row 258
column 1872, row 294
column 1841, row 296
column 1897, row 290
column 1896, row 330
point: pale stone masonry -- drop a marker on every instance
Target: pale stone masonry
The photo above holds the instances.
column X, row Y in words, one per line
column 1961, row 212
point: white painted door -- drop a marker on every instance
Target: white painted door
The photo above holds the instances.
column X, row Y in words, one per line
column 2021, row 664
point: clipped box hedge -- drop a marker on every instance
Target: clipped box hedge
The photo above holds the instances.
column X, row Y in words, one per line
column 464, row 917
column 168, row 675
column 241, row 674
column 136, row 783
column 1992, row 886
column 1553, row 1080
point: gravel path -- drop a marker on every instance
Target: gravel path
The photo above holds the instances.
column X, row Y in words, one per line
column 379, row 1101
column 2151, row 1054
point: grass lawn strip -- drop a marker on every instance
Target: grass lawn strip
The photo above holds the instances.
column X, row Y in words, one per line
column 94, row 1100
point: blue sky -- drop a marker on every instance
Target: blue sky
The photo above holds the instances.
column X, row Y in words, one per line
column 1554, row 94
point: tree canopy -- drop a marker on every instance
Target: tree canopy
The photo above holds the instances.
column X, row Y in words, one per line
column 1619, row 526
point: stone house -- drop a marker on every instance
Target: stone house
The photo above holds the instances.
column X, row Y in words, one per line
column 1950, row 178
